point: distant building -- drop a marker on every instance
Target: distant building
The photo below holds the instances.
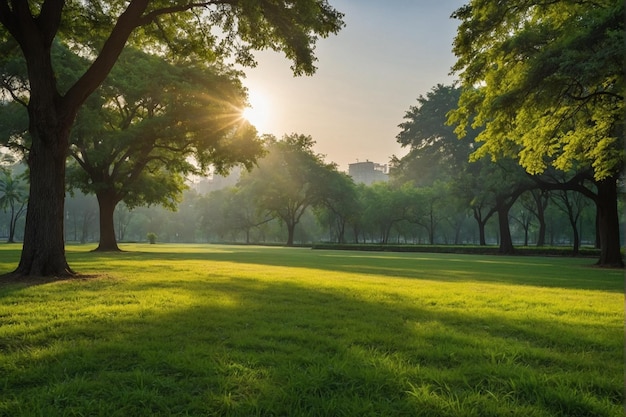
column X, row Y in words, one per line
column 368, row 172
column 217, row 182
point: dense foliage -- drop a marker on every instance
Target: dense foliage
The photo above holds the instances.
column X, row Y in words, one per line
column 546, row 80
column 151, row 125
column 545, row 83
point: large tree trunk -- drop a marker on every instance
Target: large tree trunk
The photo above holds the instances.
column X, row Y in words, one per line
column 506, row 242
column 107, row 201
column 50, row 119
column 608, row 223
column 43, row 253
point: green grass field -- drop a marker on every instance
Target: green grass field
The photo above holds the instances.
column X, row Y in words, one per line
column 206, row 330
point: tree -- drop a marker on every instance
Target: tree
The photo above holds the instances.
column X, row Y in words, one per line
column 385, row 206
column 436, row 153
column 470, row 189
column 546, row 81
column 13, row 196
column 340, row 204
column 100, row 30
column 81, row 213
column 232, row 209
column 573, row 205
column 289, row 180
column 532, row 205
column 432, row 201
column 150, row 125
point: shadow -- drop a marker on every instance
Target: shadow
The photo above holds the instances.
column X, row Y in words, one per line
column 242, row 347
column 542, row 272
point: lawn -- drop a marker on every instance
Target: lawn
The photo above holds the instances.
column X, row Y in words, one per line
column 207, row 330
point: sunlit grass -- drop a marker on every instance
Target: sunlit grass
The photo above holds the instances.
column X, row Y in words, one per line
column 204, row 330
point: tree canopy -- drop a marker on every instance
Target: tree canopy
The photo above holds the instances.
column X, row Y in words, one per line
column 289, row 179
column 546, row 80
column 149, row 126
column 435, row 150
column 177, row 30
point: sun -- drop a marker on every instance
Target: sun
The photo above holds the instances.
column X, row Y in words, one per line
column 259, row 111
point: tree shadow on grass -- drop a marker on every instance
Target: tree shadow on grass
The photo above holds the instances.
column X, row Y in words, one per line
column 237, row 347
column 543, row 272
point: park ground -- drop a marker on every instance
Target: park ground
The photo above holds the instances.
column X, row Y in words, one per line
column 210, row 330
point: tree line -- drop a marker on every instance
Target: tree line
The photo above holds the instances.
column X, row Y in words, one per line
column 293, row 197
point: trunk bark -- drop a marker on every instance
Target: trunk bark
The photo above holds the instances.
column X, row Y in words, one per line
column 107, row 201
column 43, row 252
column 608, row 224
column 50, row 119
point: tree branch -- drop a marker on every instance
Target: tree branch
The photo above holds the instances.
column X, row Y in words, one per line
column 7, row 19
column 151, row 16
column 109, row 54
column 49, row 19
column 15, row 98
column 595, row 94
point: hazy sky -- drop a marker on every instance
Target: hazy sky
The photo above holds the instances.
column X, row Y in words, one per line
column 389, row 53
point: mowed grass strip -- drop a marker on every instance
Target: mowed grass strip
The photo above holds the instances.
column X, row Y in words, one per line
column 206, row 330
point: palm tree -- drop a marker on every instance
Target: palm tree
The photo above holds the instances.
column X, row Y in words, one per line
column 14, row 196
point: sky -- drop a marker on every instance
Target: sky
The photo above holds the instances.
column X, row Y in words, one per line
column 390, row 53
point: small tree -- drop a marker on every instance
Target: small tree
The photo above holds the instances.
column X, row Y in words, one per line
column 138, row 135
column 288, row 180
column 13, row 196
column 152, row 238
